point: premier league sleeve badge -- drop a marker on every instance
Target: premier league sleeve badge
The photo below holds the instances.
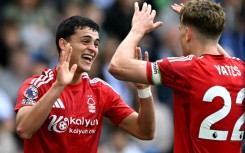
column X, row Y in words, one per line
column 31, row 92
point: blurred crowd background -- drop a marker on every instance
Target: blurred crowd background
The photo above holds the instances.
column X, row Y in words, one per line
column 27, row 45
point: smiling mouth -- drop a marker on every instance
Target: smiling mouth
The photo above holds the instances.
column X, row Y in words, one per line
column 87, row 57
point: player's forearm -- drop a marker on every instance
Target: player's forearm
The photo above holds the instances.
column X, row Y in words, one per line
column 146, row 118
column 124, row 55
column 142, row 124
column 31, row 120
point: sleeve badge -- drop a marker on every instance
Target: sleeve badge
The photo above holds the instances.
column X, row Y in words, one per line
column 31, row 92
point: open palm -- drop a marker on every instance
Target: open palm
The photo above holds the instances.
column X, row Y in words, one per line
column 65, row 73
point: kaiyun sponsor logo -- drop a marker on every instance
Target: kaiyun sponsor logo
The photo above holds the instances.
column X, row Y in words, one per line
column 60, row 124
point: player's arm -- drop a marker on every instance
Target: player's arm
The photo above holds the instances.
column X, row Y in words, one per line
column 30, row 118
column 123, row 66
column 141, row 124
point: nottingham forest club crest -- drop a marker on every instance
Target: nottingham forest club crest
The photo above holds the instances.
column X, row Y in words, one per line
column 91, row 104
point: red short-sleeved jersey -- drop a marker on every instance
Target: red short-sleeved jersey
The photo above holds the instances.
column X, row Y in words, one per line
column 75, row 121
column 209, row 105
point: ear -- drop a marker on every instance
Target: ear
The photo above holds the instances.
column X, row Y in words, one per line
column 62, row 43
column 188, row 34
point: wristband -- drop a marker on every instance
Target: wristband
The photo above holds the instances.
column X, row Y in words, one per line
column 144, row 93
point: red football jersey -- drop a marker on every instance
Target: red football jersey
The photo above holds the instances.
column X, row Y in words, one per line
column 75, row 121
column 208, row 98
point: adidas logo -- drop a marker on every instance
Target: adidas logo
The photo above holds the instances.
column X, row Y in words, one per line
column 58, row 104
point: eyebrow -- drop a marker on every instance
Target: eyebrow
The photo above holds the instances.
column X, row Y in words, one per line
column 87, row 36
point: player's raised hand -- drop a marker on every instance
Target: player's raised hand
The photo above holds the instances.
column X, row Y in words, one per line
column 177, row 8
column 65, row 73
column 138, row 56
column 143, row 20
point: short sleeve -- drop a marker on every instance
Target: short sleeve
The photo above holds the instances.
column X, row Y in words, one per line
column 28, row 95
column 172, row 72
column 116, row 108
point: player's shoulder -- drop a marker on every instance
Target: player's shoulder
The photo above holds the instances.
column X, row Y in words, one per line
column 100, row 83
column 38, row 80
column 94, row 81
column 182, row 58
column 236, row 59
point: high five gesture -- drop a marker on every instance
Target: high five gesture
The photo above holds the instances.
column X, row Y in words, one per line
column 65, row 73
column 143, row 20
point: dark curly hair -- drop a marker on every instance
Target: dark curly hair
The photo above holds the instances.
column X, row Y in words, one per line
column 68, row 27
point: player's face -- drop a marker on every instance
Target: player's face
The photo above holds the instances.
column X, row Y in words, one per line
column 85, row 43
column 183, row 40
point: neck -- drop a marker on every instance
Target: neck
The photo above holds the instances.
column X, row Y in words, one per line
column 76, row 78
column 204, row 47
